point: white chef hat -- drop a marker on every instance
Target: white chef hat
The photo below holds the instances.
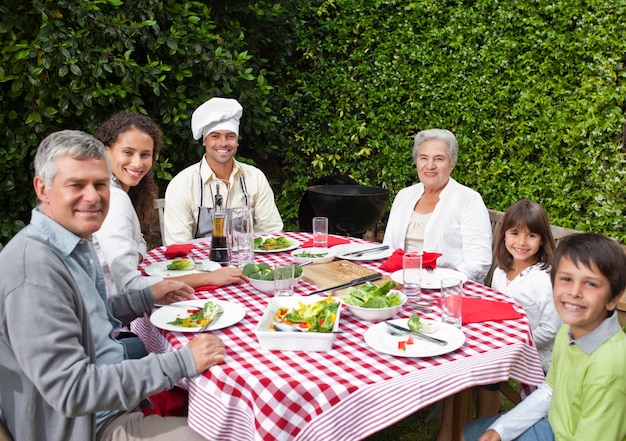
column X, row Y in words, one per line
column 216, row 114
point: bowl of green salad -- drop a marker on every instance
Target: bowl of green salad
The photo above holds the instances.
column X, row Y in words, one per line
column 373, row 302
column 261, row 276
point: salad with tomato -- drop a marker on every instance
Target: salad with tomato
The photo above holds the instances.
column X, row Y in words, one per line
column 271, row 243
column 315, row 317
column 197, row 319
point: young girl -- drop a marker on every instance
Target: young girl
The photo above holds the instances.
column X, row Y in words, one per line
column 523, row 249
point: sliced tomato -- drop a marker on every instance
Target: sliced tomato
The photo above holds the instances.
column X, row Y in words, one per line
column 402, row 345
column 409, row 341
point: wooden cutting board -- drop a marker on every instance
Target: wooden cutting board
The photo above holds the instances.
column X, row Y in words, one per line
column 325, row 275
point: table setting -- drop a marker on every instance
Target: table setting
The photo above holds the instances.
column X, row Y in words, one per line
column 272, row 388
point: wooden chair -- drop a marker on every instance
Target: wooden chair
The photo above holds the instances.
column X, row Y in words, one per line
column 495, row 217
column 159, row 204
column 559, row 232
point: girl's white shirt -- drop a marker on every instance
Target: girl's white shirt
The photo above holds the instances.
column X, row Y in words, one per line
column 532, row 290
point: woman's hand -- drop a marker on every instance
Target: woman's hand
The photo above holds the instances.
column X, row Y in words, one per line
column 226, row 276
column 219, row 277
column 170, row 291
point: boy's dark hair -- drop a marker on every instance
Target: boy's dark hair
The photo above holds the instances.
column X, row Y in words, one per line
column 529, row 214
column 592, row 249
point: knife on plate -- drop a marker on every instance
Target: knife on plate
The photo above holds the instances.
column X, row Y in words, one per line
column 358, row 281
column 366, row 251
column 418, row 334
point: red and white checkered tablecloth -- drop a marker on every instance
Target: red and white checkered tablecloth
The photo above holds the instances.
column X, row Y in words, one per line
column 257, row 394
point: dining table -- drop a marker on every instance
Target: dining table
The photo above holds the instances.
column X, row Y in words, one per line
column 348, row 392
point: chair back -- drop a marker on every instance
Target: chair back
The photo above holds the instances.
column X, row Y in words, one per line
column 495, row 217
column 159, row 204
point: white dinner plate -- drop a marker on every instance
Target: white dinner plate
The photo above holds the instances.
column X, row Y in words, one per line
column 324, row 255
column 160, row 268
column 233, row 313
column 378, row 338
column 432, row 280
column 294, row 244
column 341, row 250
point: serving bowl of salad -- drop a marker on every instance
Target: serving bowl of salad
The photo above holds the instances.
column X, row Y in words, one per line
column 261, row 276
column 299, row 323
column 374, row 302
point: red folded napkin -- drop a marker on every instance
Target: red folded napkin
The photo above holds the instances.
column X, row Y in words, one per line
column 481, row 310
column 178, row 250
column 332, row 241
column 394, row 263
column 206, row 288
column 171, row 402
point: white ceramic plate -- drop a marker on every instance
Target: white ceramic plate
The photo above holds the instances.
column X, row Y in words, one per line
column 341, row 250
column 324, row 255
column 233, row 313
column 432, row 280
column 379, row 339
column 160, row 268
column 294, row 244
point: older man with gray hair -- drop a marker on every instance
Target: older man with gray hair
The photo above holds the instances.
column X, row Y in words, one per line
column 62, row 374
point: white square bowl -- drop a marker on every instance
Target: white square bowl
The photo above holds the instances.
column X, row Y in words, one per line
column 293, row 341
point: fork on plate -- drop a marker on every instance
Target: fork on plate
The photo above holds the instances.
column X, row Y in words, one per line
column 199, row 264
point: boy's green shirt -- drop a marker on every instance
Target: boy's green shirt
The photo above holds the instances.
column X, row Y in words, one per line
column 588, row 381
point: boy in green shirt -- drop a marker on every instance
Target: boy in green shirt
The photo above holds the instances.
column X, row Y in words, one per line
column 584, row 395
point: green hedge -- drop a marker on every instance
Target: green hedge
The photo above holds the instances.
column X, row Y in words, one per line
column 534, row 91
column 72, row 63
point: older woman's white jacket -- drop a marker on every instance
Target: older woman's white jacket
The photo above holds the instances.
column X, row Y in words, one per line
column 459, row 228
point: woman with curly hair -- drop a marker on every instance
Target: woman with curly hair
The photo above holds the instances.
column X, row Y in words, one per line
column 133, row 142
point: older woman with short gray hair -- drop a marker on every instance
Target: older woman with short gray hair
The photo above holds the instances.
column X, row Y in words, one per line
column 438, row 214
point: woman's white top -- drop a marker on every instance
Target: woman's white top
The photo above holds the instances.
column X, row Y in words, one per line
column 459, row 228
column 532, row 290
column 414, row 241
column 119, row 242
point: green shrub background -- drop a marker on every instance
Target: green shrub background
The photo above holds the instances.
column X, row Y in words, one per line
column 534, row 91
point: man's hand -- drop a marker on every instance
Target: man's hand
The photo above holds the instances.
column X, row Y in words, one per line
column 490, row 435
column 170, row 291
column 207, row 350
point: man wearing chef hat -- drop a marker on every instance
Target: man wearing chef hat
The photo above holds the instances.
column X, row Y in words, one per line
column 216, row 122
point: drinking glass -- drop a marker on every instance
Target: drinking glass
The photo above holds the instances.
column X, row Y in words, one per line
column 284, row 279
column 412, row 274
column 320, row 232
column 452, row 301
column 241, row 236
